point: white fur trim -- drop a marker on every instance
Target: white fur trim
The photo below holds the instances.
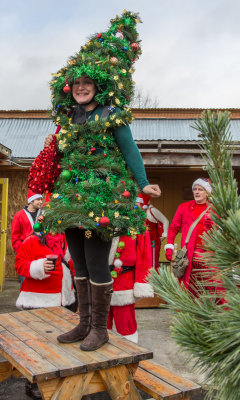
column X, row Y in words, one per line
column 100, row 284
column 205, row 184
column 122, row 298
column 139, row 200
column 168, row 246
column 113, row 249
column 34, row 197
column 68, row 296
column 145, row 207
column 30, row 218
column 117, row 263
column 37, row 269
column 80, row 278
column 133, row 338
column 67, row 255
column 142, row 290
column 38, row 300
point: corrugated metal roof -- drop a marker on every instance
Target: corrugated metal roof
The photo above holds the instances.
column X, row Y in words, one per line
column 25, row 137
column 163, row 129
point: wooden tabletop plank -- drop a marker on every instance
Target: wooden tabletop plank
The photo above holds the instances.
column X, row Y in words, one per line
column 66, row 314
column 128, row 352
column 37, row 330
column 116, row 340
column 25, row 359
column 105, row 357
column 139, row 353
column 51, row 333
column 170, row 377
column 62, row 360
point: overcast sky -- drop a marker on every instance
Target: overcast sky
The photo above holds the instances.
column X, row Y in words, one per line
column 191, row 48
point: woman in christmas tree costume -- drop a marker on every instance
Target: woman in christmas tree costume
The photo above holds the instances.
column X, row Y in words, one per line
column 93, row 200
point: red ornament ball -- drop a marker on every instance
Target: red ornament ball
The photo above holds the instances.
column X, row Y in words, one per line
column 134, row 46
column 104, row 221
column 126, row 194
column 67, row 89
column 99, row 35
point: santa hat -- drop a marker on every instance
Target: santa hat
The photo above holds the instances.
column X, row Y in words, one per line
column 204, row 182
column 33, row 196
column 143, row 199
column 107, row 58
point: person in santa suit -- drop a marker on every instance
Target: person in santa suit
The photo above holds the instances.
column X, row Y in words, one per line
column 130, row 261
column 196, row 271
column 43, row 285
column 157, row 224
column 23, row 220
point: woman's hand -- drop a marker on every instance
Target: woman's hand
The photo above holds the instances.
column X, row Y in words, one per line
column 48, row 140
column 48, row 266
column 152, row 190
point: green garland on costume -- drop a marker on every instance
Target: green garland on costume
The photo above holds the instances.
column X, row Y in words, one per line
column 96, row 190
column 94, row 181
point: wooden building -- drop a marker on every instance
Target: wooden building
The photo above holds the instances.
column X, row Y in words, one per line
column 168, row 144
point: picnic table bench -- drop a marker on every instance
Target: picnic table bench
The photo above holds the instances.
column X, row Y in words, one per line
column 62, row 371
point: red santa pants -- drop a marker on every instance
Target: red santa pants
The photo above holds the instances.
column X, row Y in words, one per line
column 124, row 318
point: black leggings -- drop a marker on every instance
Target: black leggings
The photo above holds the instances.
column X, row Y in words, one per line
column 90, row 256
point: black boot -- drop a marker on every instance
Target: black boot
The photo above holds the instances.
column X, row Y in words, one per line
column 84, row 304
column 101, row 298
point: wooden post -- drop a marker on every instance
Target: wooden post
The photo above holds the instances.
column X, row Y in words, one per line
column 3, row 228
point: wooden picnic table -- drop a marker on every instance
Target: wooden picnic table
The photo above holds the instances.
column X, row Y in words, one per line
column 28, row 342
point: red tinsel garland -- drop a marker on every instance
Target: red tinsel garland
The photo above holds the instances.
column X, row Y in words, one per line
column 45, row 169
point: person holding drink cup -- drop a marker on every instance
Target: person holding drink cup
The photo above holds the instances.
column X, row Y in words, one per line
column 43, row 261
column 50, row 263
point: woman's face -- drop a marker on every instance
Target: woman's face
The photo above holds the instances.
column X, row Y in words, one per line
column 83, row 90
column 200, row 195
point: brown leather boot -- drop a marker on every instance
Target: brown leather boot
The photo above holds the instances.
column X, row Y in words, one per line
column 84, row 303
column 101, row 298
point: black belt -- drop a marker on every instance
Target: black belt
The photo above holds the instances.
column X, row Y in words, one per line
column 125, row 268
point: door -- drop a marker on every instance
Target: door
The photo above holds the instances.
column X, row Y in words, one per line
column 3, row 227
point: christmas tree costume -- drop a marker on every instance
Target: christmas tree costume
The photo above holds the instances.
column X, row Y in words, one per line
column 93, row 199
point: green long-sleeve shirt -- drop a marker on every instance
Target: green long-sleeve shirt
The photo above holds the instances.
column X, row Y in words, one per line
column 129, row 149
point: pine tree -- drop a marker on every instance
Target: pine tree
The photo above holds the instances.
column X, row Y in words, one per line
column 208, row 332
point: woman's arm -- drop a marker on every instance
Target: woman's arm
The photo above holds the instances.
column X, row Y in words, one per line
column 133, row 158
column 131, row 154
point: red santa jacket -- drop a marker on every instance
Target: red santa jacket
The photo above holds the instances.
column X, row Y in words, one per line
column 130, row 286
column 22, row 226
column 182, row 220
column 39, row 289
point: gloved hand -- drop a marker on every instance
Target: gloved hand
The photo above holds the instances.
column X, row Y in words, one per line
column 169, row 254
